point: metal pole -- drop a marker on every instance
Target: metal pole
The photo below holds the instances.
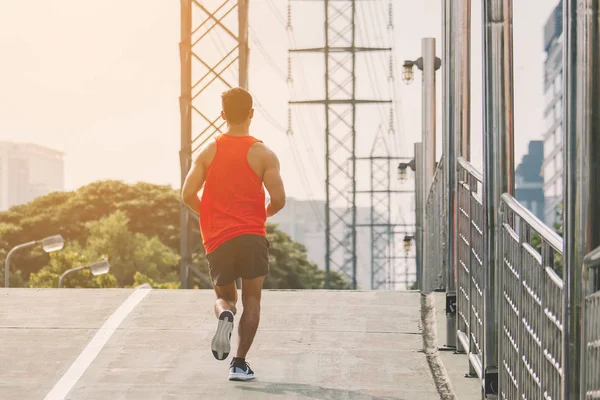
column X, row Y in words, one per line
column 456, row 134
column 7, row 261
column 463, row 70
column 185, row 154
column 353, row 146
column 449, row 169
column 581, row 215
column 498, row 161
column 243, row 6
column 327, row 155
column 419, row 211
column 428, row 111
column 373, row 233
column 428, row 159
column 60, row 279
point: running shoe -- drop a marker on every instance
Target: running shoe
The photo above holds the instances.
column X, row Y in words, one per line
column 220, row 344
column 240, row 371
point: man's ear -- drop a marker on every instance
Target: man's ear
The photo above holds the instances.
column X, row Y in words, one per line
column 223, row 115
column 251, row 115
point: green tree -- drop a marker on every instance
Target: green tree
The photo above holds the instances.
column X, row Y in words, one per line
column 153, row 210
column 536, row 241
column 137, row 228
column 134, row 258
column 71, row 256
column 130, row 252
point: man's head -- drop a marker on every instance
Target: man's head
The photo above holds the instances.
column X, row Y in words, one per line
column 237, row 106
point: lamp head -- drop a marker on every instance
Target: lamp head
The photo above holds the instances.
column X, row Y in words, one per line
column 407, row 71
column 53, row 243
column 407, row 243
column 100, row 268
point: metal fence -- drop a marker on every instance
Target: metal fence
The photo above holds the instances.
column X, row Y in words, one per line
column 435, row 233
column 590, row 349
column 530, row 303
column 470, row 277
column 528, row 328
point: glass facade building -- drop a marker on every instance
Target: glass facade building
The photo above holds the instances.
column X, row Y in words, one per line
column 529, row 183
column 552, row 168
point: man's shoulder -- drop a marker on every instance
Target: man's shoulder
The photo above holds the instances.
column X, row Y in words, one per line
column 261, row 149
column 207, row 152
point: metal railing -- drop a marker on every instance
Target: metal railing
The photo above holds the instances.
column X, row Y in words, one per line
column 590, row 349
column 470, row 274
column 435, row 233
column 530, row 301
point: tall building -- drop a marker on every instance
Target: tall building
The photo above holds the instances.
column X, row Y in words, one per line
column 552, row 169
column 529, row 183
column 28, row 171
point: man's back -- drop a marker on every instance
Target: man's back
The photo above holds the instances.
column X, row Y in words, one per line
column 233, row 200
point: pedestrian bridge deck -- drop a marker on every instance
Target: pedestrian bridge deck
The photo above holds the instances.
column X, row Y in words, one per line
column 310, row 345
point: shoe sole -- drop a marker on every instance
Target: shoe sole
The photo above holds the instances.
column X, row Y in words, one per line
column 240, row 377
column 220, row 344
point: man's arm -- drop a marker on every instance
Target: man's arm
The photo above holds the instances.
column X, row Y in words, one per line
column 273, row 183
column 192, row 185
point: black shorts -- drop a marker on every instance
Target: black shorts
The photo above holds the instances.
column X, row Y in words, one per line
column 244, row 256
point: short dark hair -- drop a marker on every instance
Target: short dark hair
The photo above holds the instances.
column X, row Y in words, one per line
column 237, row 104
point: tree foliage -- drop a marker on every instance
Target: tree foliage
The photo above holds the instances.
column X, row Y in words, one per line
column 536, row 241
column 135, row 227
column 289, row 267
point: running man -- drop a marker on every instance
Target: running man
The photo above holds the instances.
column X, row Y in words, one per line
column 233, row 168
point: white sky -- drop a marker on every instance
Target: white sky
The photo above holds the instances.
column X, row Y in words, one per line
column 100, row 81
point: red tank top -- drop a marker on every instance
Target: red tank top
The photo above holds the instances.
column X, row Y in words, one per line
column 233, row 199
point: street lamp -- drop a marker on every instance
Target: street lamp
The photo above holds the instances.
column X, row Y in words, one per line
column 97, row 268
column 402, row 169
column 407, row 68
column 49, row 244
column 407, row 242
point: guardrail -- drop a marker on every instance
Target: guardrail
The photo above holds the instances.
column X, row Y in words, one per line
column 435, row 233
column 590, row 349
column 470, row 274
column 529, row 292
column 530, row 304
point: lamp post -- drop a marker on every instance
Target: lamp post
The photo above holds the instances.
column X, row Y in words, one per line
column 97, row 268
column 428, row 63
column 49, row 244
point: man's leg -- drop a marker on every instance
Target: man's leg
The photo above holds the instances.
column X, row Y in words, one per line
column 251, row 294
column 225, row 311
column 227, row 297
column 221, row 268
column 254, row 269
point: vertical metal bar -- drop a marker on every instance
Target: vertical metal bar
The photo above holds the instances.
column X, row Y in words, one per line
column 428, row 137
column 327, row 155
column 581, row 215
column 373, row 229
column 353, row 145
column 419, row 211
column 390, row 242
column 463, row 88
column 429, row 103
column 449, row 170
column 243, row 6
column 498, row 144
column 185, row 154
column 456, row 133
column 473, row 188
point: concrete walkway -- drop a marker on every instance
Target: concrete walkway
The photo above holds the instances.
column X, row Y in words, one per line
column 310, row 345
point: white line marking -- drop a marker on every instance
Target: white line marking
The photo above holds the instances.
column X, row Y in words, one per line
column 89, row 353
